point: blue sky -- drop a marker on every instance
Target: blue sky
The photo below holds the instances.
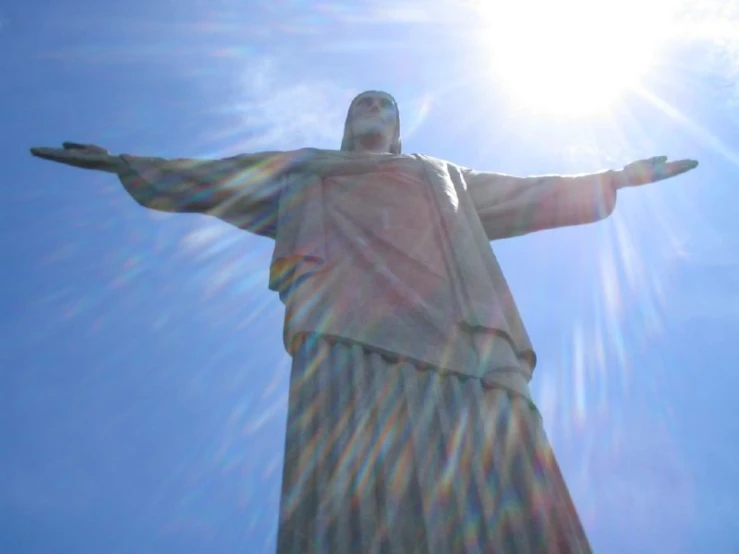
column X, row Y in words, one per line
column 141, row 366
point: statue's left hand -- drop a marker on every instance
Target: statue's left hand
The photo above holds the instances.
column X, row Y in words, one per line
column 651, row 170
column 85, row 156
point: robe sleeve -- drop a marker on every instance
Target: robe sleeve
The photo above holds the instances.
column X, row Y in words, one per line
column 509, row 206
column 242, row 190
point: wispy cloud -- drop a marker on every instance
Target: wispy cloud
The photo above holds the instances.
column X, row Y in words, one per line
column 379, row 12
column 279, row 110
column 283, row 112
column 712, row 25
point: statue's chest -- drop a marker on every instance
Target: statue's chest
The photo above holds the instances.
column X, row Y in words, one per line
column 389, row 209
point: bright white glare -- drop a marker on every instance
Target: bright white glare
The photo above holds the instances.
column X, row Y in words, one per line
column 572, row 57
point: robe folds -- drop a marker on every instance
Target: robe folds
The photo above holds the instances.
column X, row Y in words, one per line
column 286, row 196
column 384, row 457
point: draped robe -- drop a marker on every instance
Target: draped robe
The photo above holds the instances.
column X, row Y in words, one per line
column 285, row 196
column 410, row 423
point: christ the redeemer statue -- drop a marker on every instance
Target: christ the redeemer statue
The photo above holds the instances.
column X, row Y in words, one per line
column 411, row 428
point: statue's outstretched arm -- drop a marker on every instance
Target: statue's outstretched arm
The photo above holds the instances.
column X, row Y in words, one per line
column 241, row 190
column 509, row 206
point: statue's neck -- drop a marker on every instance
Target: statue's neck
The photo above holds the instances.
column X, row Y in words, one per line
column 341, row 162
column 372, row 143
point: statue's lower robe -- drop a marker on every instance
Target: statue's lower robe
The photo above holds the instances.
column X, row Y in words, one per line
column 384, row 456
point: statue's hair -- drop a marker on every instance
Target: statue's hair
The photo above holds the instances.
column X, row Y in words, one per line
column 347, row 142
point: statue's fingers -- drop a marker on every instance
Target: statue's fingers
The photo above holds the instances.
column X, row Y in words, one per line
column 681, row 166
column 67, row 157
column 673, row 169
column 54, row 154
column 67, row 152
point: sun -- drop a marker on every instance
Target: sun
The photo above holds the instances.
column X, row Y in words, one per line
column 571, row 57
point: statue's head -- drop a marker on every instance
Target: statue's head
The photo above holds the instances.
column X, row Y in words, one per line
column 373, row 113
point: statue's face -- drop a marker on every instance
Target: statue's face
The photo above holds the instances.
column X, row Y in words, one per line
column 372, row 113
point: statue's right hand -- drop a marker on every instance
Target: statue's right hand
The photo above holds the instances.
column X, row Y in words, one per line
column 86, row 156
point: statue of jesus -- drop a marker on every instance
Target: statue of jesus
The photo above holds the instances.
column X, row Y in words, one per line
column 411, row 428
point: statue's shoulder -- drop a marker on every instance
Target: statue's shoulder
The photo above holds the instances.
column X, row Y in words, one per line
column 299, row 154
column 282, row 161
column 438, row 162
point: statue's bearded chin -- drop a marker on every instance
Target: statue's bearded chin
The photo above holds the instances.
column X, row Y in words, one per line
column 371, row 126
column 372, row 131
